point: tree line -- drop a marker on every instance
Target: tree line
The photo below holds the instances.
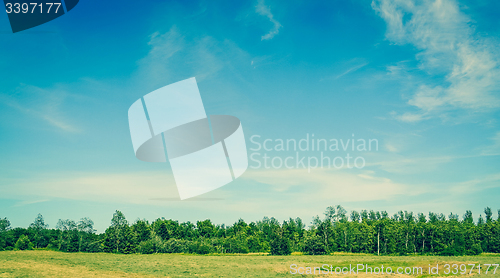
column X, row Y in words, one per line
column 371, row 232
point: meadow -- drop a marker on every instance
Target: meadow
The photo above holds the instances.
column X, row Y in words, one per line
column 44, row 263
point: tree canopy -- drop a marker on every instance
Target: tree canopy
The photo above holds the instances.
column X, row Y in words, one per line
column 338, row 231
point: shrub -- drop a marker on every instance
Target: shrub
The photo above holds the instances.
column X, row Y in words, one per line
column 449, row 251
column 177, row 246
column 24, row 243
column 91, row 246
column 201, row 248
column 475, row 250
column 236, row 245
column 280, row 246
column 314, row 246
column 146, row 247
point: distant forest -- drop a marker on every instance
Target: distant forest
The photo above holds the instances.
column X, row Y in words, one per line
column 369, row 232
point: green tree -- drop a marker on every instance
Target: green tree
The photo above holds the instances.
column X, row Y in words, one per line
column 480, row 221
column 205, row 228
column 119, row 237
column 86, row 225
column 4, row 227
column 314, row 245
column 38, row 227
column 85, row 228
column 24, row 243
column 468, row 217
column 280, row 246
column 68, row 237
column 142, row 229
column 488, row 214
column 163, row 231
column 330, row 214
column 355, row 217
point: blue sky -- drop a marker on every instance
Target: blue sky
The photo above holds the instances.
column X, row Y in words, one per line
column 421, row 77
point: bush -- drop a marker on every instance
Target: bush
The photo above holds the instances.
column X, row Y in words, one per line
column 236, row 245
column 24, row 243
column 280, row 246
column 449, row 251
column 254, row 244
column 146, row 247
column 52, row 247
column 91, row 246
column 177, row 246
column 201, row 248
column 475, row 250
column 158, row 245
column 315, row 246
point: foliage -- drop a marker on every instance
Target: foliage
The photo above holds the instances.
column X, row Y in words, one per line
column 314, row 246
column 369, row 232
column 23, row 243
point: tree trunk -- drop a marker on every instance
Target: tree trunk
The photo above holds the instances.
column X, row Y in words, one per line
column 345, row 240
column 117, row 239
column 432, row 241
column 406, row 243
column 378, row 243
column 326, row 239
column 423, row 241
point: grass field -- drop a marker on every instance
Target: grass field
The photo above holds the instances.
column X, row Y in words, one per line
column 42, row 263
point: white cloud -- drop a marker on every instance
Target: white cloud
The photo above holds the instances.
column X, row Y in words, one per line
column 352, row 69
column 494, row 148
column 448, row 46
column 174, row 57
column 264, row 10
column 268, row 191
column 398, row 68
column 43, row 104
column 135, row 188
column 411, row 117
column 391, row 148
column 145, row 187
column 478, row 184
column 397, row 163
column 26, row 203
column 325, row 184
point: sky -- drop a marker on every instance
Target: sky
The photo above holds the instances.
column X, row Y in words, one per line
column 422, row 78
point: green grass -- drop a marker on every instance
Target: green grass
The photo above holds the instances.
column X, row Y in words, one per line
column 41, row 263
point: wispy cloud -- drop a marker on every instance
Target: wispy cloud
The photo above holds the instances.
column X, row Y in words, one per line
column 448, row 47
column 397, row 163
column 264, row 10
column 494, row 148
column 411, row 117
column 398, row 68
column 325, row 183
column 173, row 57
column 343, row 68
column 43, row 104
column 391, row 148
column 25, row 203
column 478, row 184
column 142, row 187
column 132, row 188
column 352, row 69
